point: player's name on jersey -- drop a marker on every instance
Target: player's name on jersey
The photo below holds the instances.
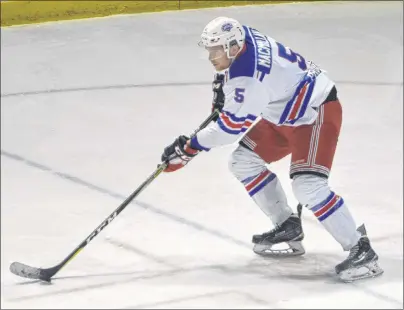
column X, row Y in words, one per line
column 264, row 52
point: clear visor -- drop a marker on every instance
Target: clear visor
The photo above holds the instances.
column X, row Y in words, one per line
column 215, row 52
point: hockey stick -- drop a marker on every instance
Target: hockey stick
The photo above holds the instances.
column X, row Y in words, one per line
column 45, row 274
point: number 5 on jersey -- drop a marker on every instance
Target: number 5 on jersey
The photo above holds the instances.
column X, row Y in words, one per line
column 287, row 53
column 239, row 95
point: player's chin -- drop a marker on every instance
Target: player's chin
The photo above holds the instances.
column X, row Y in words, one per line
column 217, row 67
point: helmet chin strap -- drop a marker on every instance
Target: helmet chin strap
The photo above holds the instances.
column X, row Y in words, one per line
column 228, row 54
column 231, row 58
column 241, row 49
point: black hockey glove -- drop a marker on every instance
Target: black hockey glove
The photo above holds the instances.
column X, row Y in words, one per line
column 218, row 94
column 178, row 154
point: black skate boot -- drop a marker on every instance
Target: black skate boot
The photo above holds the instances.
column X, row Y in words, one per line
column 289, row 232
column 362, row 261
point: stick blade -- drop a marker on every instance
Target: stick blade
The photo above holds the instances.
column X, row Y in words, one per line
column 26, row 271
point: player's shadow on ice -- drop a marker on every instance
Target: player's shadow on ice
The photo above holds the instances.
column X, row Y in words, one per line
column 315, row 268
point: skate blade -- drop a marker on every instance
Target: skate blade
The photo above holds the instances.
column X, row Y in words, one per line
column 295, row 248
column 369, row 270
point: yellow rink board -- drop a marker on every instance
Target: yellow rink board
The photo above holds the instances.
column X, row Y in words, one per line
column 27, row 12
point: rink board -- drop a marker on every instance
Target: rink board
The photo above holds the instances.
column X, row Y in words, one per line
column 27, row 12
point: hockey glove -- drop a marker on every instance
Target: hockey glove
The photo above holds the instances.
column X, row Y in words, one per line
column 178, row 154
column 218, row 94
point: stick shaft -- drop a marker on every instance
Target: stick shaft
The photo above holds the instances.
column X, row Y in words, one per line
column 127, row 201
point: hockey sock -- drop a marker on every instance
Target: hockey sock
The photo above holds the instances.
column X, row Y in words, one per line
column 267, row 192
column 337, row 220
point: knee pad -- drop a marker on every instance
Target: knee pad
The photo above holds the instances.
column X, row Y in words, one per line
column 310, row 189
column 244, row 163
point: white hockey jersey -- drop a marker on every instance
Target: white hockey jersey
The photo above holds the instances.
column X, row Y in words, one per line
column 267, row 80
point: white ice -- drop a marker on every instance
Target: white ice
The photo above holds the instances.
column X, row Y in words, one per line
column 87, row 107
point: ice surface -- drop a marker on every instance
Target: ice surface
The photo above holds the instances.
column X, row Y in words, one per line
column 87, row 107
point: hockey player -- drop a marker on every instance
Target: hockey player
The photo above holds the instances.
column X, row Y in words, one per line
column 288, row 106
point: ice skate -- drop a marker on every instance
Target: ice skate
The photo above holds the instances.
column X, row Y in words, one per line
column 362, row 261
column 289, row 232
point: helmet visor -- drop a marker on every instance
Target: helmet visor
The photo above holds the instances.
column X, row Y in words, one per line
column 215, row 52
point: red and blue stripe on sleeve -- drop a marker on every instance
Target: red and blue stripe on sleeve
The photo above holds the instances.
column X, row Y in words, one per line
column 234, row 125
